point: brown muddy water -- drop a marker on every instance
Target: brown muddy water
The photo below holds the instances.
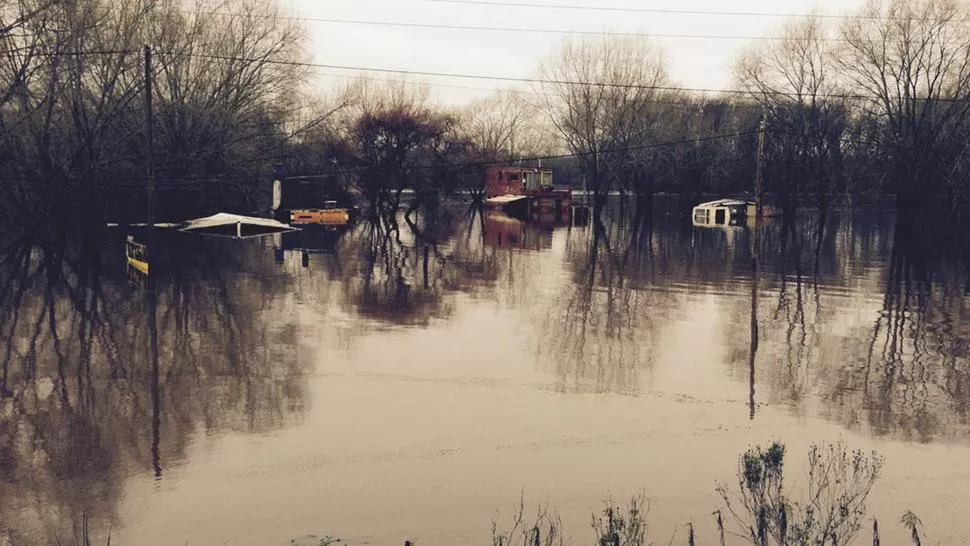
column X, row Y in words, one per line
column 389, row 386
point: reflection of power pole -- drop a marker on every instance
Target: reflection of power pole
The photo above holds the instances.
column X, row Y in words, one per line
column 150, row 248
column 753, row 348
column 755, row 251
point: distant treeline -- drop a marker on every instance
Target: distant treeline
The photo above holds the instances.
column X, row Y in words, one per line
column 876, row 102
column 72, row 101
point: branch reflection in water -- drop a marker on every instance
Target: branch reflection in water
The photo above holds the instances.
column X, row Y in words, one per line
column 855, row 320
column 869, row 320
column 601, row 336
column 854, row 317
column 87, row 402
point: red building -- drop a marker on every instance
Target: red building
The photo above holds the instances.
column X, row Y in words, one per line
column 526, row 190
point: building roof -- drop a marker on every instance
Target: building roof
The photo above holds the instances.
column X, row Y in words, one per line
column 504, row 199
column 725, row 203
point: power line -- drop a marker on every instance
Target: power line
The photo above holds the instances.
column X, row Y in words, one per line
column 542, row 30
column 90, row 52
column 459, row 75
column 466, row 165
column 559, row 31
column 488, row 89
column 440, row 26
column 865, row 17
column 198, row 181
column 515, row 79
column 870, row 17
column 625, row 148
column 451, row 74
column 447, row 85
column 645, row 10
column 490, row 29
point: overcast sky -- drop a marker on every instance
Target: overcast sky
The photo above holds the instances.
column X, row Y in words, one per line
column 694, row 62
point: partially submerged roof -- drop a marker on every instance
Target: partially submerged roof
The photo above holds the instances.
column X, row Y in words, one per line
column 505, row 199
column 726, row 203
column 236, row 226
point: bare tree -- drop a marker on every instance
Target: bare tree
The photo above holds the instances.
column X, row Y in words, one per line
column 910, row 60
column 794, row 81
column 229, row 77
column 19, row 43
column 598, row 96
column 226, row 74
column 69, row 102
column 508, row 125
column 494, row 124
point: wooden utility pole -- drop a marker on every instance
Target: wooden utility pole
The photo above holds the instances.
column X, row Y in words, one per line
column 759, row 173
column 149, row 137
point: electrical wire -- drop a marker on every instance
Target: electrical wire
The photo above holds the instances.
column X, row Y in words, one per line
column 516, row 79
column 523, row 92
column 611, row 85
column 199, row 181
column 542, row 30
column 667, row 11
column 476, row 164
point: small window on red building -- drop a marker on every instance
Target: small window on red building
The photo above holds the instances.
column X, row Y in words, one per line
column 513, row 176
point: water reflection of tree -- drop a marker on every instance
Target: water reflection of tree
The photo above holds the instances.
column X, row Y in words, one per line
column 906, row 373
column 630, row 271
column 406, row 269
column 798, row 309
column 607, row 315
column 916, row 371
column 394, row 271
column 82, row 408
column 475, row 260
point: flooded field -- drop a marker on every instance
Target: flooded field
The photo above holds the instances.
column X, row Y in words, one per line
column 379, row 384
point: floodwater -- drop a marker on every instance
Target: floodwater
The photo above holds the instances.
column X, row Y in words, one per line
column 388, row 385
